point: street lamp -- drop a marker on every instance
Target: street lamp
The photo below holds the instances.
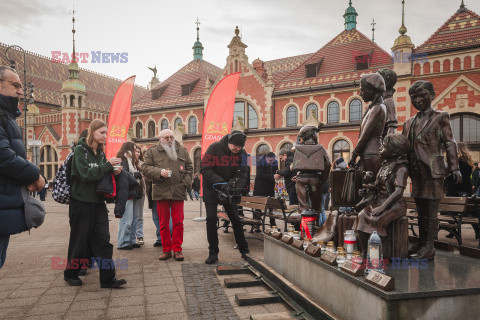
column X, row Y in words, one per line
column 27, row 88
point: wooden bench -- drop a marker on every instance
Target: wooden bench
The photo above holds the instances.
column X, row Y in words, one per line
column 260, row 208
column 450, row 215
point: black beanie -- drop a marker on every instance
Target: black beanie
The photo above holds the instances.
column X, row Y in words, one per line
column 237, row 138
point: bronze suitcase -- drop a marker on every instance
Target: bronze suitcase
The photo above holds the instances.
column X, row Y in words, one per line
column 337, row 183
column 309, row 157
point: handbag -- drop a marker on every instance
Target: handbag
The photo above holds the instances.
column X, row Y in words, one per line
column 33, row 208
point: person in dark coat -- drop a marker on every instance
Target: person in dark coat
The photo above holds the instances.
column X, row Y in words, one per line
column 43, row 192
column 267, row 168
column 476, row 180
column 287, row 157
column 196, row 186
column 224, row 160
column 16, row 171
column 465, row 164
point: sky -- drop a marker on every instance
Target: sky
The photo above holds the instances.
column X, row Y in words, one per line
column 162, row 32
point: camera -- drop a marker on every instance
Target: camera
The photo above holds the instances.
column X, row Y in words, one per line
column 231, row 193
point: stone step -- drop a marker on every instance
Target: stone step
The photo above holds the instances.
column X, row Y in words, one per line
column 272, row 316
column 222, row 270
column 251, row 299
column 242, row 282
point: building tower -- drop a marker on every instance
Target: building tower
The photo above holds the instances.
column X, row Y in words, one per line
column 73, row 95
column 350, row 17
column 197, row 46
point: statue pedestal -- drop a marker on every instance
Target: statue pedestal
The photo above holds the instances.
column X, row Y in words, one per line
column 446, row 288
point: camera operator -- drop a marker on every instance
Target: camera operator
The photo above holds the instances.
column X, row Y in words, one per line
column 224, row 160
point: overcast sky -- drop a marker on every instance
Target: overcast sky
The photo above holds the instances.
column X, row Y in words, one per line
column 162, row 32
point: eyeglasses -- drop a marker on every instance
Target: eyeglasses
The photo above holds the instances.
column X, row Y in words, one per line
column 168, row 138
column 15, row 84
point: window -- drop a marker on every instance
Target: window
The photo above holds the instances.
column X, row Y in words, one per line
column 79, row 101
column 466, row 128
column 176, row 123
column 188, row 88
column 333, row 110
column 361, row 62
column 312, row 69
column 341, row 148
column 164, row 124
column 48, row 162
column 292, row 117
column 240, row 111
column 355, row 110
column 157, row 93
column 197, row 154
column 312, row 107
column 139, row 130
column 286, row 146
column 72, row 100
column 151, row 129
column 192, row 125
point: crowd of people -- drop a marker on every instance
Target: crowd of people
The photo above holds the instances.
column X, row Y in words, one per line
column 162, row 175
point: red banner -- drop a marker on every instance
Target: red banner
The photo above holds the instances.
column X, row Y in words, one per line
column 218, row 118
column 119, row 117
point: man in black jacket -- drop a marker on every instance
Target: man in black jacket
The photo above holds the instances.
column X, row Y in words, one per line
column 267, row 168
column 15, row 170
column 224, row 160
column 287, row 157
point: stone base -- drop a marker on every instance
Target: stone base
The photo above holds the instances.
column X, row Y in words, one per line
column 446, row 288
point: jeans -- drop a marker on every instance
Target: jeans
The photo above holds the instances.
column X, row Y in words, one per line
column 323, row 217
column 156, row 222
column 89, row 237
column 196, row 194
column 139, row 203
column 171, row 210
column 212, row 234
column 3, row 249
column 128, row 224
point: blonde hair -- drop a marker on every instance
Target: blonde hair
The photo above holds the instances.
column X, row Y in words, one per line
column 94, row 126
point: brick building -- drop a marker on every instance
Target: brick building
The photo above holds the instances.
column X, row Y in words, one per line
column 274, row 98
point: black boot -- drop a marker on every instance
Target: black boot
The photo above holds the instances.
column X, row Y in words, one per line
column 212, row 257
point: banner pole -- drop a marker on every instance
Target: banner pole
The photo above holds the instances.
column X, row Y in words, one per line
column 200, row 219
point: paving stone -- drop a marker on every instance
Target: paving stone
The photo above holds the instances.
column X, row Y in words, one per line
column 88, row 305
column 92, row 314
column 18, row 302
column 130, row 311
column 49, row 309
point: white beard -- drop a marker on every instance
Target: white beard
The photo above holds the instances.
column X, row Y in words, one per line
column 170, row 150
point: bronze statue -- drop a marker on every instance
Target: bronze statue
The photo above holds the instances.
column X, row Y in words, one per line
column 154, row 70
column 390, row 78
column 312, row 163
column 430, row 135
column 387, row 204
column 372, row 88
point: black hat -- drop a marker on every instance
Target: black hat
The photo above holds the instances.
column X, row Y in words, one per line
column 237, row 138
column 270, row 155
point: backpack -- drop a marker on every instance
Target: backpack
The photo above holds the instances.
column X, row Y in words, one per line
column 62, row 182
column 308, row 157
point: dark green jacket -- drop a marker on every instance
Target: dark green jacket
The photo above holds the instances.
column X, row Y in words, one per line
column 86, row 172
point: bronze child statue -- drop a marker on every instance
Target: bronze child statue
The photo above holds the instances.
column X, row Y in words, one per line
column 430, row 135
column 388, row 204
column 372, row 88
column 390, row 78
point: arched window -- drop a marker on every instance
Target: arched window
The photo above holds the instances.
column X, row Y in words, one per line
column 245, row 111
column 312, row 107
column 333, row 110
column 164, row 124
column 176, row 123
column 196, row 160
column 292, row 116
column 446, row 65
column 341, row 148
column 139, row 130
column 80, row 102
column 192, row 125
column 48, row 162
column 355, row 110
column 151, row 129
column 466, row 128
column 72, row 100
column 286, row 146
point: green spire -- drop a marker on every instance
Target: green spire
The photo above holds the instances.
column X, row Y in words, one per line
column 197, row 46
column 350, row 17
column 462, row 8
column 403, row 29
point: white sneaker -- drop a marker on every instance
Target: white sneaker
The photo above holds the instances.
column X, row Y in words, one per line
column 140, row 241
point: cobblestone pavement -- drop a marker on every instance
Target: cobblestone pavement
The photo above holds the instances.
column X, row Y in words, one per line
column 31, row 289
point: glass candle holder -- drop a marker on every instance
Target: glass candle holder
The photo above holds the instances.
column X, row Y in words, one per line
column 296, row 235
column 306, row 243
column 356, row 257
column 331, row 246
column 291, row 230
column 341, row 256
column 323, row 247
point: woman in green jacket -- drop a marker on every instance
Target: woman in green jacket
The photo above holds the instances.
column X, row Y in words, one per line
column 89, row 232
